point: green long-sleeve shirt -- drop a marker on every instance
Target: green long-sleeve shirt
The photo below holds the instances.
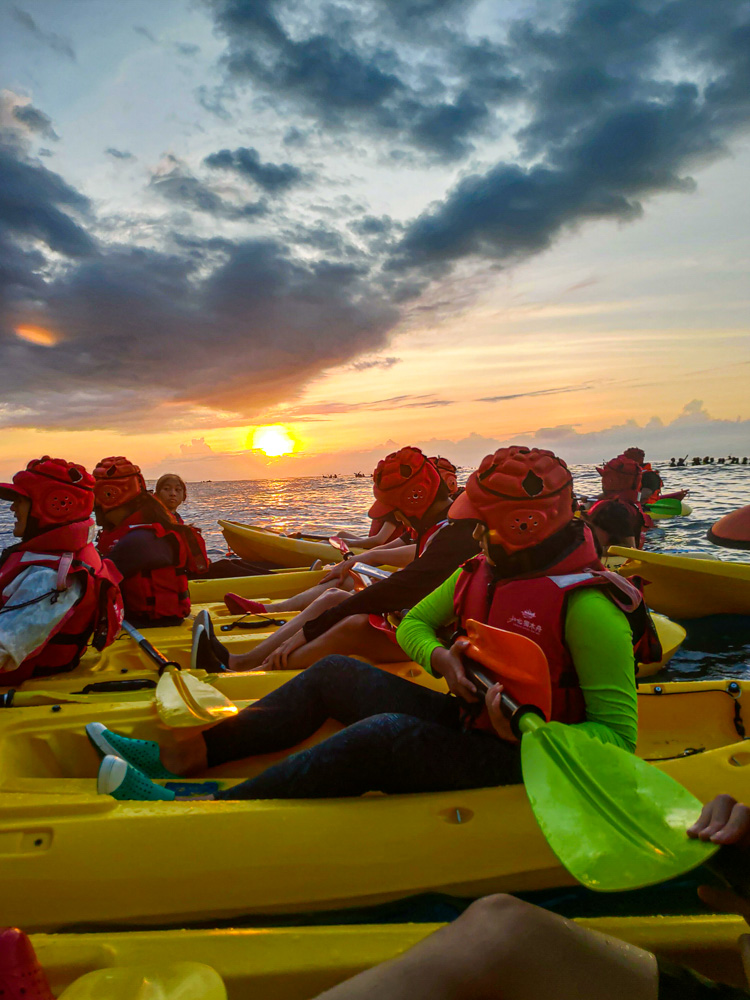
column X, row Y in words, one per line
column 598, row 637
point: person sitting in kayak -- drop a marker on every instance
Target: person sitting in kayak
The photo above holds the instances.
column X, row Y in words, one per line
column 651, row 484
column 56, row 592
column 172, row 491
column 448, row 473
column 151, row 549
column 387, row 527
column 539, row 577
column 504, row 948
column 407, row 479
column 621, row 480
column 613, row 523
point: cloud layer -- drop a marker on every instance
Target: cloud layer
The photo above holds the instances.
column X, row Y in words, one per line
column 242, row 293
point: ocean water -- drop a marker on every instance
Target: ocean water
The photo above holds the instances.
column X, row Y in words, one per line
column 715, row 647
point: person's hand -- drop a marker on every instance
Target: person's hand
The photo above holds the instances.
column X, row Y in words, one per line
column 279, row 658
column 500, row 723
column 724, row 821
column 338, row 572
column 447, row 663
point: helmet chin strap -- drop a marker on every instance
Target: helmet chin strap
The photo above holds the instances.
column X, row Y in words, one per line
column 536, row 558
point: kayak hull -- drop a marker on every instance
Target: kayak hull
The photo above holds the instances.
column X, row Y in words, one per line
column 297, row 963
column 269, row 587
column 256, row 543
column 686, row 587
column 70, row 857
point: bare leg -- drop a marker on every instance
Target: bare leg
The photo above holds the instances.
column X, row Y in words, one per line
column 354, row 636
column 505, row 949
column 187, row 756
column 301, row 601
column 248, row 661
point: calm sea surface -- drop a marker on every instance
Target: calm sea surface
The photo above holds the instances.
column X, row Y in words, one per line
column 715, row 646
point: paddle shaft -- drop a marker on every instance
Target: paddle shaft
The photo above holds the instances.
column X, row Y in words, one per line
column 522, row 718
column 151, row 651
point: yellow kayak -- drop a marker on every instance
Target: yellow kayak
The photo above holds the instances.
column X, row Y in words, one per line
column 255, row 543
column 298, row 963
column 270, row 587
column 69, row 856
column 124, row 664
column 688, row 587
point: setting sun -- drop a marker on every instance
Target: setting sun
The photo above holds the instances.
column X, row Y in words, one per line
column 274, row 440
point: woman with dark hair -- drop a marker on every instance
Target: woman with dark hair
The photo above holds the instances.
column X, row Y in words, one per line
column 613, row 523
column 153, row 551
column 172, row 491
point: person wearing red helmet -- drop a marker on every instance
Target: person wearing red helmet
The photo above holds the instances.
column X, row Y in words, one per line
column 55, row 589
column 621, row 480
column 448, row 473
column 405, row 484
column 153, row 551
column 539, row 576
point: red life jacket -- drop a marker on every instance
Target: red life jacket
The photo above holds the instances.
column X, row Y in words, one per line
column 156, row 594
column 427, row 536
column 70, row 552
column 534, row 606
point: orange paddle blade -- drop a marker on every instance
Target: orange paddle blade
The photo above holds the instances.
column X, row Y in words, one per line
column 519, row 663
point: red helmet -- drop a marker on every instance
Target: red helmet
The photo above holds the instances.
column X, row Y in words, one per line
column 523, row 495
column 637, row 454
column 60, row 492
column 405, row 481
column 621, row 478
column 117, row 482
column 447, row 471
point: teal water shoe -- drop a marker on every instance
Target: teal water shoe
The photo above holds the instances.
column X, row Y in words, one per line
column 123, row 781
column 142, row 754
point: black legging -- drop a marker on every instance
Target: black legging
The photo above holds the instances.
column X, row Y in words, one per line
column 399, row 737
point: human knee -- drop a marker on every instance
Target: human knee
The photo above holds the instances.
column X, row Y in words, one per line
column 335, row 664
column 330, row 598
column 501, row 933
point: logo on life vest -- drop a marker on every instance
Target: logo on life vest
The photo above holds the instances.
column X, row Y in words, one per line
column 524, row 621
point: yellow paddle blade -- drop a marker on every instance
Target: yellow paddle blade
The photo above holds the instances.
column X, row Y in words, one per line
column 175, row 981
column 182, row 701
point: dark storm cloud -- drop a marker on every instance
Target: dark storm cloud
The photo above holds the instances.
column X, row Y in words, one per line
column 178, row 185
column 119, row 154
column 609, row 127
column 343, row 67
column 35, row 202
column 55, row 42
column 35, row 120
column 274, row 178
column 147, row 335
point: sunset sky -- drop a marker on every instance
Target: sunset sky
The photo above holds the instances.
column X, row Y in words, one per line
column 372, row 223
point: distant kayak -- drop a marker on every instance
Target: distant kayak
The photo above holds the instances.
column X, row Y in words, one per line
column 733, row 530
column 687, row 587
column 254, row 543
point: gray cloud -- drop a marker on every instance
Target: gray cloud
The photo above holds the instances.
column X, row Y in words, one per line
column 344, row 67
column 273, row 178
column 384, row 363
column 53, row 41
column 35, row 120
column 139, row 29
column 187, row 49
column 119, row 154
column 178, row 185
column 537, row 392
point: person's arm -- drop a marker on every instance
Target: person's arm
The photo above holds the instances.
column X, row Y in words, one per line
column 25, row 630
column 417, row 633
column 382, row 537
column 598, row 636
column 140, row 550
column 452, row 546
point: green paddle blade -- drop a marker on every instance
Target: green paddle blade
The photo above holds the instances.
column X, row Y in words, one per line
column 614, row 821
column 667, row 504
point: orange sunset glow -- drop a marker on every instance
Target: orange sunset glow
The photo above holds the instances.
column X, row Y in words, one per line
column 37, row 335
